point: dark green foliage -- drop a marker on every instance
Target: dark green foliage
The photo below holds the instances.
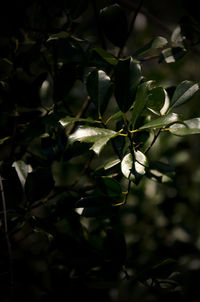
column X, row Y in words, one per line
column 99, row 157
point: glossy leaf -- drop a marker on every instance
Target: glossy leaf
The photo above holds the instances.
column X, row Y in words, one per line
column 111, row 163
column 188, row 127
column 140, row 102
column 99, row 88
column 134, row 168
column 127, row 78
column 162, row 121
column 156, row 43
column 97, row 136
column 114, row 23
column 183, row 93
column 158, row 101
column 108, row 57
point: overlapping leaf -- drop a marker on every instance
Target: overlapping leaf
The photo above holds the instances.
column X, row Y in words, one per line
column 187, row 127
column 161, row 122
column 140, row 102
column 134, row 168
column 127, row 77
column 99, row 87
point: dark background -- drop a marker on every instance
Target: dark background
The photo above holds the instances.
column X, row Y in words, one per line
column 57, row 254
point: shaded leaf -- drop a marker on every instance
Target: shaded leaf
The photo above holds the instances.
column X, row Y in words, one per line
column 183, row 93
column 38, row 184
column 156, row 43
column 140, row 102
column 158, row 100
column 97, row 136
column 111, row 163
column 68, row 120
column 114, row 23
column 109, row 187
column 127, row 77
column 108, row 57
column 162, row 121
column 99, row 88
column 188, row 127
column 160, row 172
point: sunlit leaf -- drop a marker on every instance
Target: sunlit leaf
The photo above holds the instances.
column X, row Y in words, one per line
column 134, row 168
column 162, row 121
column 183, row 93
column 188, row 127
column 97, row 136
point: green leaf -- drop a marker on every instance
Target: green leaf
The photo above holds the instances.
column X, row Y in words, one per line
column 99, row 87
column 111, row 163
column 108, row 57
column 114, row 23
column 22, row 170
column 127, row 78
column 68, row 120
column 188, row 127
column 134, row 168
column 109, row 187
column 171, row 55
column 183, row 93
column 140, row 102
column 97, row 136
column 161, row 122
column 158, row 101
column 156, row 43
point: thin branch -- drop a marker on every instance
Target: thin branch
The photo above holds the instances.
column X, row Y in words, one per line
column 6, row 232
column 131, row 26
column 131, row 5
column 79, row 114
column 153, row 141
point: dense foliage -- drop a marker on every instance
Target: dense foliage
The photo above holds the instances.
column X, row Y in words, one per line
column 95, row 200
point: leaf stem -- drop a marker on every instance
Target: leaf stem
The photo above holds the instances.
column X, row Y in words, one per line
column 6, row 232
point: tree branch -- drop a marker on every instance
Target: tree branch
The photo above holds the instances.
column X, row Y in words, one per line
column 6, row 232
